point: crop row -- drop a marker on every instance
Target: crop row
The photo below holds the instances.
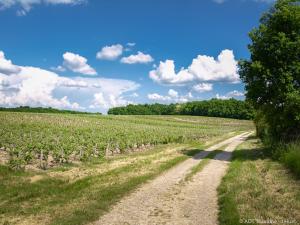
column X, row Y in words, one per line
column 56, row 138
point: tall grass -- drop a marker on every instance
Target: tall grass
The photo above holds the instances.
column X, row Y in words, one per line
column 289, row 155
column 279, row 147
column 257, row 189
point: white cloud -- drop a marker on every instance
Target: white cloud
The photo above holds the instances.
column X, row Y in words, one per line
column 134, row 95
column 26, row 5
column 106, row 102
column 58, row 68
column 131, row 44
column 173, row 93
column 158, row 97
column 110, row 52
column 100, row 93
column 172, row 96
column 138, row 58
column 67, row 82
column 235, row 93
column 165, row 74
column 203, row 69
column 78, row 64
column 230, row 94
column 206, row 68
column 34, row 87
column 203, row 87
column 223, row 97
column 6, row 66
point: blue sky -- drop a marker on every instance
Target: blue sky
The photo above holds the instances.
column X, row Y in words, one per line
column 95, row 54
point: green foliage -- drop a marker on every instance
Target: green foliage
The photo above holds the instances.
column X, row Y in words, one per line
column 272, row 75
column 215, row 107
column 146, row 109
column 262, row 127
column 289, row 155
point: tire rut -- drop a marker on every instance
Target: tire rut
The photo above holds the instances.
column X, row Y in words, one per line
column 169, row 200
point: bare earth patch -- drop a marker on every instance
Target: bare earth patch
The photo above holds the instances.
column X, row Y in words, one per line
column 4, row 156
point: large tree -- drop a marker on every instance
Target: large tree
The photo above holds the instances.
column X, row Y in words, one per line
column 272, row 75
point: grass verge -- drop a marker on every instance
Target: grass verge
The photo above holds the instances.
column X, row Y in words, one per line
column 201, row 165
column 67, row 199
column 258, row 190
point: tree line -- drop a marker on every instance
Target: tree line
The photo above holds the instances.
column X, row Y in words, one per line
column 230, row 108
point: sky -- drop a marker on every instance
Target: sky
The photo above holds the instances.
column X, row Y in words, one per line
column 91, row 55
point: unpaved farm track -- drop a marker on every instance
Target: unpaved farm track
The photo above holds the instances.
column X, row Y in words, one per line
column 169, row 200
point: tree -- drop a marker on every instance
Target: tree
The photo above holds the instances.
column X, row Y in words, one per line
column 272, row 75
column 230, row 108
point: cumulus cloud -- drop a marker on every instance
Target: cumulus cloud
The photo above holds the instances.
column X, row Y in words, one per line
column 158, row 97
column 34, row 87
column 106, row 102
column 110, row 93
column 138, row 58
column 202, row 69
column 110, row 52
column 231, row 94
column 131, row 44
column 77, row 63
column 58, row 68
column 235, row 93
column 67, row 82
column 223, row 97
column 172, row 96
column 134, row 95
column 26, row 5
column 165, row 74
column 6, row 66
column 203, row 87
column 173, row 93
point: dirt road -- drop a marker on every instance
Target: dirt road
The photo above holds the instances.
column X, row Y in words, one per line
column 169, row 200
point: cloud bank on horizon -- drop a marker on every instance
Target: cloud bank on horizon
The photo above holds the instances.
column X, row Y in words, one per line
column 33, row 86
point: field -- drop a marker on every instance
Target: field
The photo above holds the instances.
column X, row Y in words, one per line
column 50, row 139
column 86, row 180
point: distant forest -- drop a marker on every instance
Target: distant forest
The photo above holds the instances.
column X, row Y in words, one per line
column 42, row 110
column 230, row 108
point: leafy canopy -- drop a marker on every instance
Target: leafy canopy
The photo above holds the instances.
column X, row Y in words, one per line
column 272, row 75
